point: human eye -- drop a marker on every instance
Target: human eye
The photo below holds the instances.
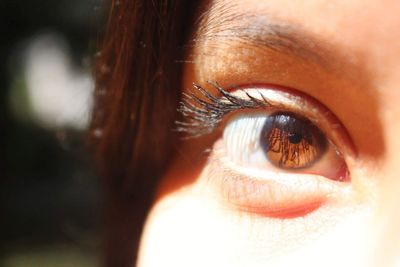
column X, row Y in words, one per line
column 278, row 152
column 282, row 141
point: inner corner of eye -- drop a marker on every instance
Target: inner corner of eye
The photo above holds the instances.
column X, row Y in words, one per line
column 285, row 141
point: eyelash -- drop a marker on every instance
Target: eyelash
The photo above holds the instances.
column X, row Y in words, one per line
column 205, row 112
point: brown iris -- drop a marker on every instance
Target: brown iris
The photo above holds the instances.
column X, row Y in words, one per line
column 291, row 142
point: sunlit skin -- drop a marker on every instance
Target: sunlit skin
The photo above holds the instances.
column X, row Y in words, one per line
column 347, row 58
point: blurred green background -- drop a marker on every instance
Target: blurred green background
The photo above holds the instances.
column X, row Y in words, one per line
column 49, row 194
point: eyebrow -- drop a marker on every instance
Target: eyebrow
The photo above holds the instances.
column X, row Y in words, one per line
column 265, row 32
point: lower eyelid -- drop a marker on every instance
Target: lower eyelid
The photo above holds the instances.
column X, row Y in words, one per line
column 272, row 194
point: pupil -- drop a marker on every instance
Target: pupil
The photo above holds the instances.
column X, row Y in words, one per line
column 295, row 138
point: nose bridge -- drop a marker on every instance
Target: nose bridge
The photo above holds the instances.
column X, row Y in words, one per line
column 388, row 216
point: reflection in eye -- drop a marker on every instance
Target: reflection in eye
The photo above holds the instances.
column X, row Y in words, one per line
column 291, row 142
column 281, row 141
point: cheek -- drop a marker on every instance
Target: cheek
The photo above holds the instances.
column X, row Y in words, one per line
column 181, row 230
column 189, row 226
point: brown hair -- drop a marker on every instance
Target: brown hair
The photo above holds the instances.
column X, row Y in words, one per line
column 138, row 85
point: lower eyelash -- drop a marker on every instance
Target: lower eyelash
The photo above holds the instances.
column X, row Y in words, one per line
column 203, row 111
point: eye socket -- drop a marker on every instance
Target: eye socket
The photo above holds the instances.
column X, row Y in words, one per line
column 281, row 153
column 291, row 142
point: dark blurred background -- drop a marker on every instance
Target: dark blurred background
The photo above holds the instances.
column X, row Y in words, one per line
column 49, row 194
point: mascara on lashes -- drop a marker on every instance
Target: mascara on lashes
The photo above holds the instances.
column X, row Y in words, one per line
column 205, row 112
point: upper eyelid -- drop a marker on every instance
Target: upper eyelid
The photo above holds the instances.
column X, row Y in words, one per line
column 204, row 111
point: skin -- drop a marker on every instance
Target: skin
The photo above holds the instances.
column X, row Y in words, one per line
column 353, row 70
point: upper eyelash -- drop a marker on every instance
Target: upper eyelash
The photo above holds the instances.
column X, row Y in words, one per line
column 203, row 113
